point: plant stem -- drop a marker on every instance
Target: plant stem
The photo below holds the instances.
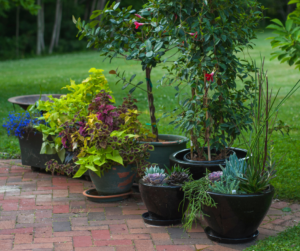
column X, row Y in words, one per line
column 207, row 117
column 151, row 103
column 267, row 124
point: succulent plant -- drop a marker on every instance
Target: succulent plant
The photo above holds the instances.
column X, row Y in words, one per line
column 215, row 176
column 235, row 167
column 155, row 178
column 155, row 169
column 177, row 178
column 177, row 169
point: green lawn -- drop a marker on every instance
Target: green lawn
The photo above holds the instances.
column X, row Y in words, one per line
column 50, row 74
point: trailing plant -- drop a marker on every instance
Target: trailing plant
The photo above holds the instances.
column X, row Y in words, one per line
column 145, row 36
column 17, row 124
column 195, row 194
column 65, row 109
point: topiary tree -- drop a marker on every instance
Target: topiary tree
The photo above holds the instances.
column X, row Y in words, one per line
column 210, row 35
column 143, row 36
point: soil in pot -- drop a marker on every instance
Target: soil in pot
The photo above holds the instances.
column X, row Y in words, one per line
column 198, row 168
column 163, row 203
column 167, row 145
column 237, row 216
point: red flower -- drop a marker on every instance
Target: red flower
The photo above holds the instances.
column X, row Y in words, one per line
column 193, row 34
column 137, row 24
column 209, row 77
column 139, row 16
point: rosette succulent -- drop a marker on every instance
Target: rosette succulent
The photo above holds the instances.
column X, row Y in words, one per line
column 155, row 178
column 215, row 176
column 155, row 169
column 177, row 178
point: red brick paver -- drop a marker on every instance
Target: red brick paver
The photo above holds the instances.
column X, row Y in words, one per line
column 42, row 212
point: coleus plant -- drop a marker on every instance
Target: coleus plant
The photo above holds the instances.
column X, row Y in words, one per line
column 63, row 110
column 107, row 136
column 142, row 36
column 211, row 33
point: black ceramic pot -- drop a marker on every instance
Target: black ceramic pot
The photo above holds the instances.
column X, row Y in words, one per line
column 237, row 216
column 163, row 201
column 198, row 168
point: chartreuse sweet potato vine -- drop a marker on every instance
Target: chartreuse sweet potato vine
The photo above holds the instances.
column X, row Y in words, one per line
column 62, row 110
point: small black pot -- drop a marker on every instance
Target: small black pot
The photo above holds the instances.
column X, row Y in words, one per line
column 198, row 168
column 164, row 202
column 237, row 216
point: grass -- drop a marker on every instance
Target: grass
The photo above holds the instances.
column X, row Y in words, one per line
column 288, row 240
column 50, row 74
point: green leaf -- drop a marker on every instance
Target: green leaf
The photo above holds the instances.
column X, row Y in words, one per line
column 124, row 86
column 116, row 5
column 132, row 77
column 149, row 54
column 148, row 45
column 115, row 156
column 93, row 23
column 289, row 24
column 286, row 209
column 61, row 154
column 132, row 90
column 95, row 14
column 158, row 46
column 80, row 172
column 277, row 21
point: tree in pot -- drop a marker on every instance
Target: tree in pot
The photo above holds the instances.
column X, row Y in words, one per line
column 105, row 144
column 235, row 201
column 162, row 195
column 210, row 34
column 144, row 37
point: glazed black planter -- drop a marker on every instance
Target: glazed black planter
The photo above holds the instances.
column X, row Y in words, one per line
column 198, row 168
column 237, row 217
column 30, row 146
column 163, row 204
column 162, row 150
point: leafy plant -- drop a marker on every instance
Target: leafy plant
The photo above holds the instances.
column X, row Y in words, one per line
column 73, row 105
column 103, row 139
column 288, row 40
column 146, row 37
column 69, row 169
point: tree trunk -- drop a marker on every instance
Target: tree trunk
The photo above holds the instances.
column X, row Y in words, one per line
column 40, row 44
column 93, row 6
column 56, row 26
column 17, row 30
column 87, row 7
column 151, row 103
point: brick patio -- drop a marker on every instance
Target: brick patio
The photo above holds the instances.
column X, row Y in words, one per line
column 44, row 213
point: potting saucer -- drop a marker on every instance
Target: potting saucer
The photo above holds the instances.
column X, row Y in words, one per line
column 92, row 195
column 156, row 221
column 215, row 237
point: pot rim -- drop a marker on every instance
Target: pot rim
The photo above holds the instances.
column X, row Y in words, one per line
column 206, row 163
column 157, row 186
column 174, row 142
column 270, row 190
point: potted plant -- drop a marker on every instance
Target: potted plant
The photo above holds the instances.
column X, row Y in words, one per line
column 162, row 195
column 145, row 37
column 57, row 112
column 210, row 102
column 22, row 126
column 105, row 144
column 234, row 201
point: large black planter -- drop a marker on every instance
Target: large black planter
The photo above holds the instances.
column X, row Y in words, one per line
column 162, row 150
column 163, row 203
column 30, row 146
column 198, row 168
column 237, row 217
